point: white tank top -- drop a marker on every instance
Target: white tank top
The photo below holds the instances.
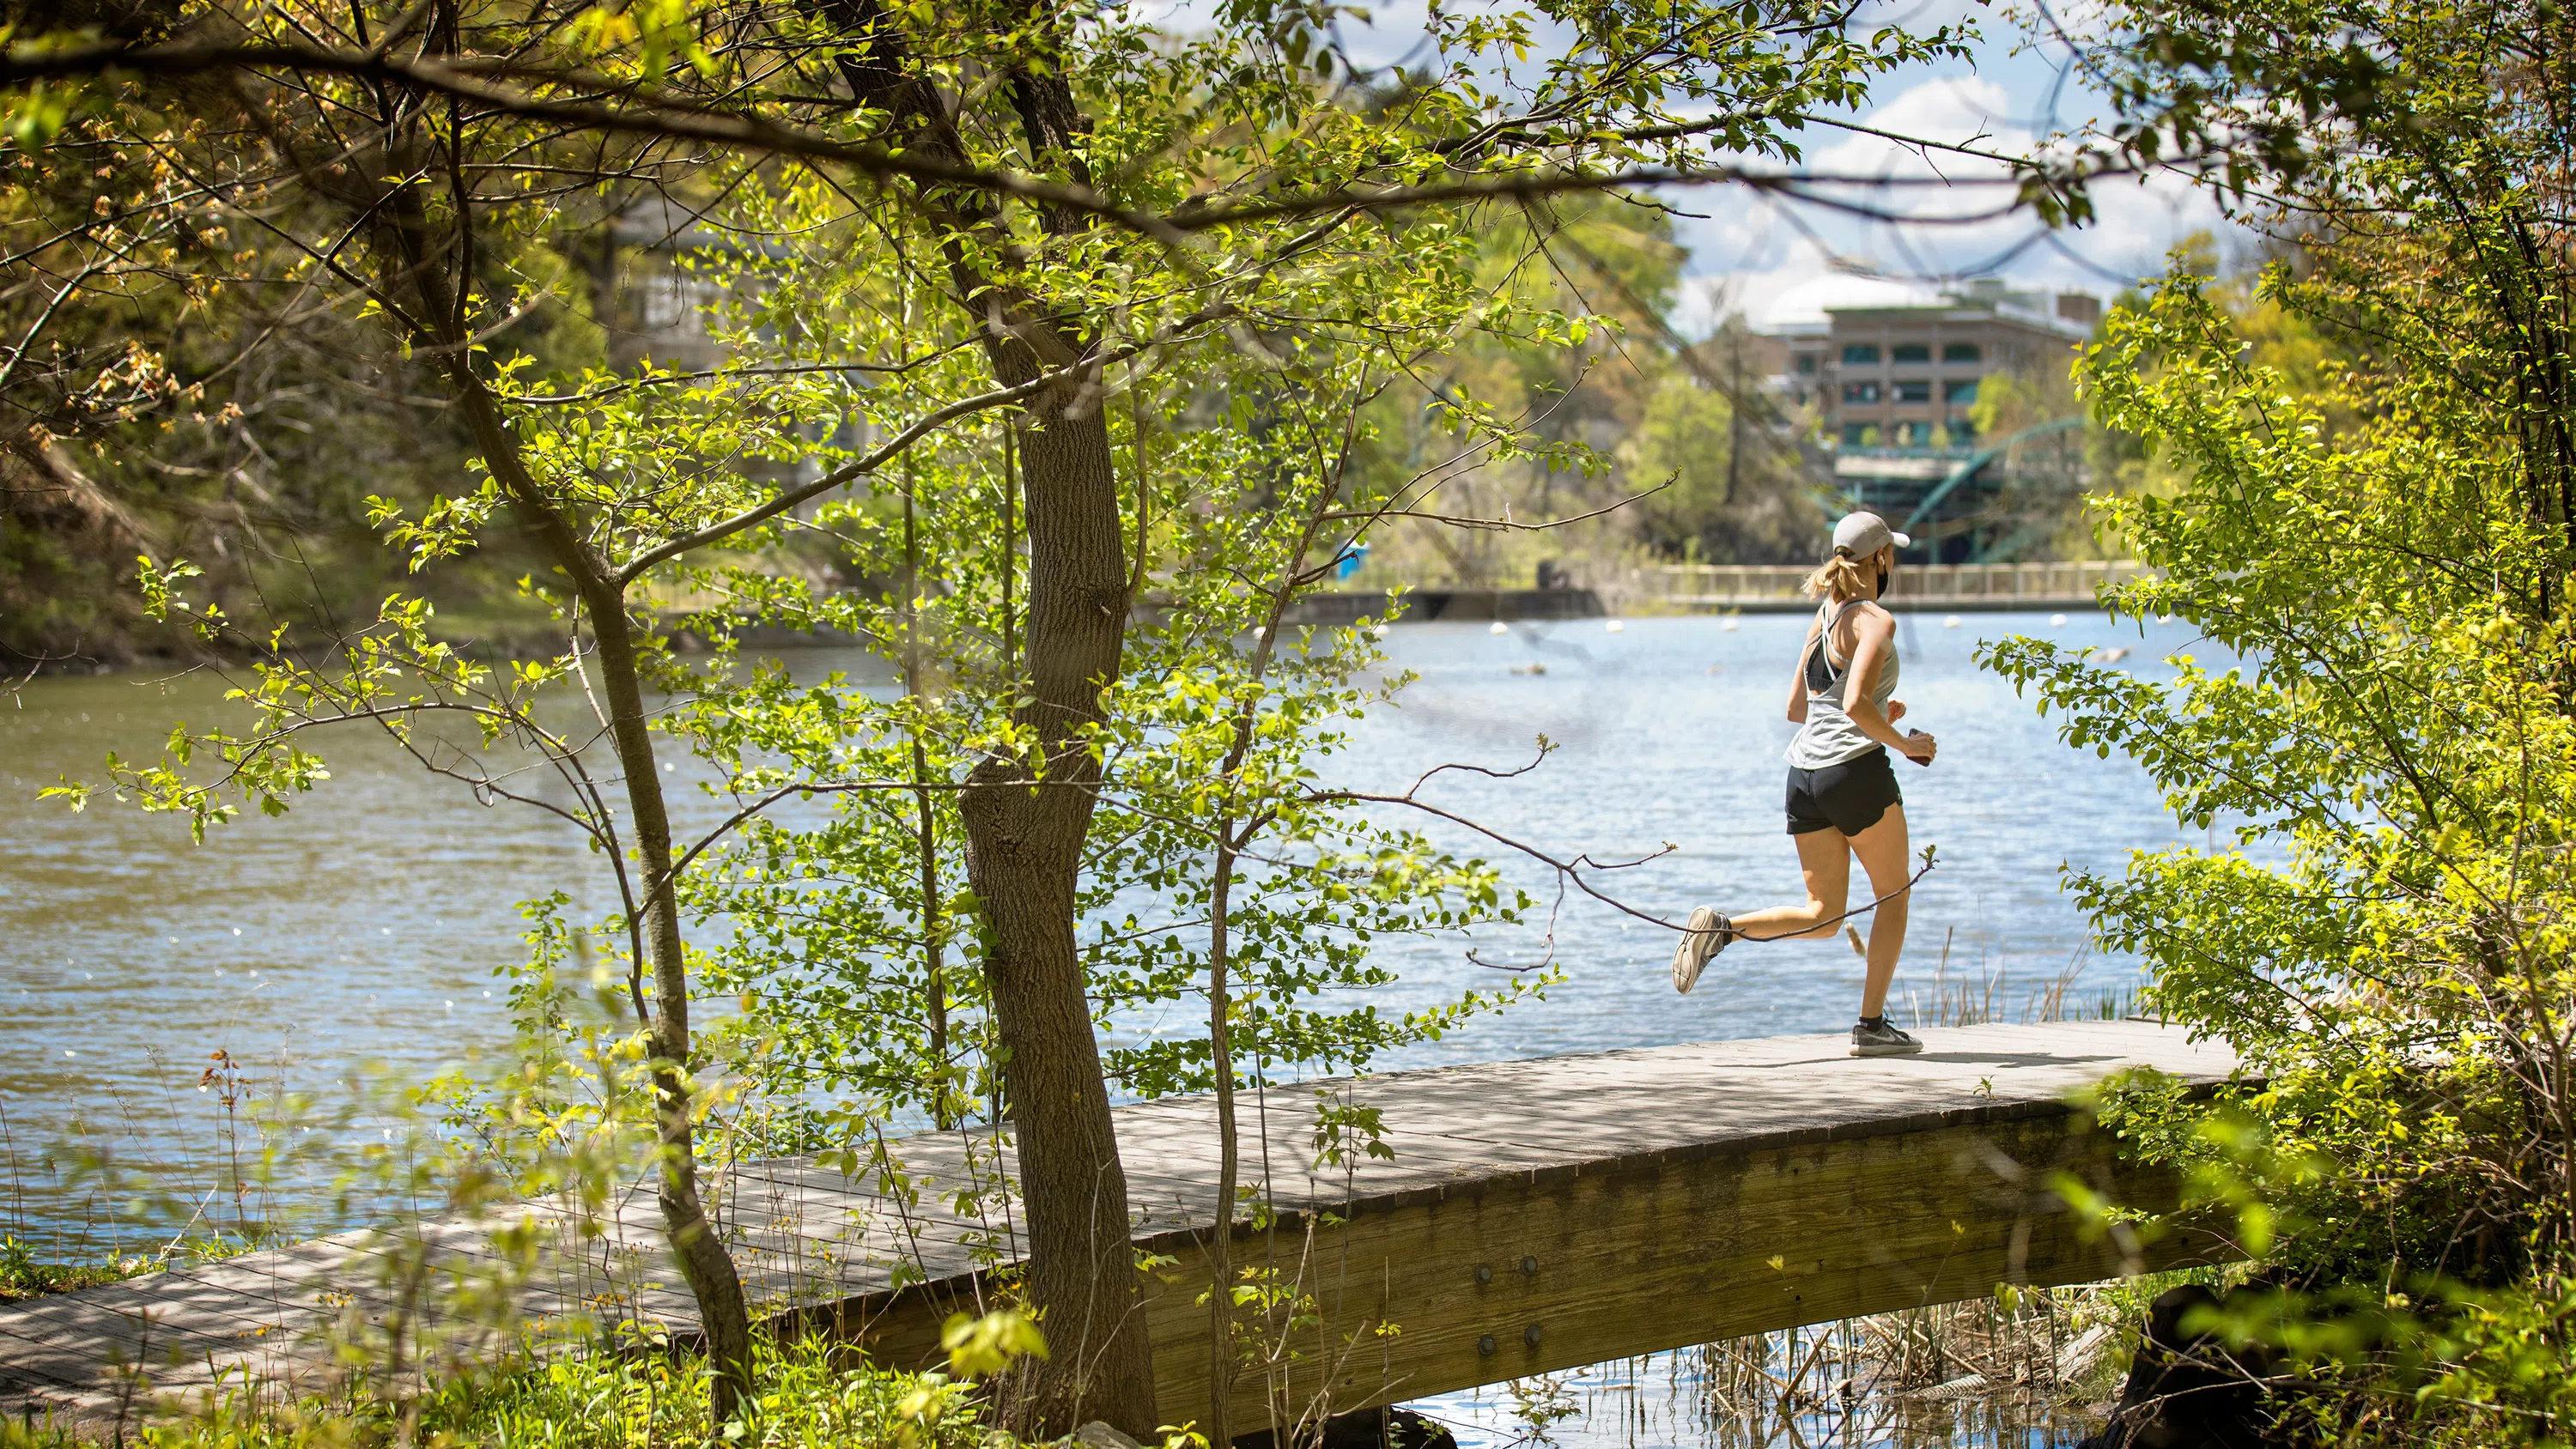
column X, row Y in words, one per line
column 1829, row 737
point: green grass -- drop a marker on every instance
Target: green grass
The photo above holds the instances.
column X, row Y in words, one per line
column 21, row 1276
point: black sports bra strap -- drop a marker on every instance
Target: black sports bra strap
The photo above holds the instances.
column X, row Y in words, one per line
column 1832, row 615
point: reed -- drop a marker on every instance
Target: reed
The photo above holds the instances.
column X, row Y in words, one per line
column 1964, row 996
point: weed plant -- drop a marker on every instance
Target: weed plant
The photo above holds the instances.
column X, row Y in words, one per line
column 22, row 1275
column 2023, row 1368
column 814, row 1394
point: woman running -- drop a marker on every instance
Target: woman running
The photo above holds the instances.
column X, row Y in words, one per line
column 1843, row 799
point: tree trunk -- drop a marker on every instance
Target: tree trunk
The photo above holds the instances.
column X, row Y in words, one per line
column 1024, row 845
column 1024, row 851
column 427, row 281
column 723, row 1314
column 1229, row 1149
column 934, row 945
column 704, row 1264
column 1229, row 848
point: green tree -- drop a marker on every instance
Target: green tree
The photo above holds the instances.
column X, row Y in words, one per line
column 2369, row 517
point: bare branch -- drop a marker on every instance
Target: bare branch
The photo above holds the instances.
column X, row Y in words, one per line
column 1504, row 525
column 464, row 78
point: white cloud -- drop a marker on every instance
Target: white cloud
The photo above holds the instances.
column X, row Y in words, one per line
column 1781, row 261
column 1950, row 110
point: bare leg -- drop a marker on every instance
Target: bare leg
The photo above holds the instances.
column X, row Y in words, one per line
column 1882, row 852
column 1824, row 856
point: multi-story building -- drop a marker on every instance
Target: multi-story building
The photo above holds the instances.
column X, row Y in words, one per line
column 1903, row 376
column 1892, row 381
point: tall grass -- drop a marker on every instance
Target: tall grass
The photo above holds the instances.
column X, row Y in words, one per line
column 1988, row 993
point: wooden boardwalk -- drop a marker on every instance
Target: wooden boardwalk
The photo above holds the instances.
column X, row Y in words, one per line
column 1535, row 1215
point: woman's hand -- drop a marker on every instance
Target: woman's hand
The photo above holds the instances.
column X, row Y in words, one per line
column 1918, row 746
column 1895, row 710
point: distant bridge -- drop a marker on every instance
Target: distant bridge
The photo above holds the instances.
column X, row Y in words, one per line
column 1537, row 1215
column 1732, row 588
column 1958, row 588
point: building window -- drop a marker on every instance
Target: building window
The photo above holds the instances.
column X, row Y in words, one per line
column 1807, row 364
column 1860, row 435
column 1913, row 435
column 1962, row 431
column 1909, row 352
column 1918, row 391
column 1860, row 354
column 1961, row 390
column 1860, row 392
column 1962, row 352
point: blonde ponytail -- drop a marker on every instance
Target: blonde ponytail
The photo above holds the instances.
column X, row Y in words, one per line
column 1838, row 579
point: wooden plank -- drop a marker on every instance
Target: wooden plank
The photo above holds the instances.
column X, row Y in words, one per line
column 1634, row 1262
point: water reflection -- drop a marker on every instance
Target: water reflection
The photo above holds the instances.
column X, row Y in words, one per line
column 1693, row 1397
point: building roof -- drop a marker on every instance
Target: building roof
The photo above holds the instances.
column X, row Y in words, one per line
column 1808, row 309
column 1803, row 307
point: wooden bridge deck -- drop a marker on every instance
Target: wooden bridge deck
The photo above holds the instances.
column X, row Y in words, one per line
column 1535, row 1215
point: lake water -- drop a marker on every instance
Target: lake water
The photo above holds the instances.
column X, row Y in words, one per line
column 1670, row 731
column 364, row 926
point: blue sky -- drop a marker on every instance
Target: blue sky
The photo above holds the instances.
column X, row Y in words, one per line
column 2010, row 96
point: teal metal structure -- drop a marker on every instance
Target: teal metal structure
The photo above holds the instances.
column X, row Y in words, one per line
column 1969, row 467
column 1965, row 486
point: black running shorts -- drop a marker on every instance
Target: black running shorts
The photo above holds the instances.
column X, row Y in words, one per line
column 1849, row 797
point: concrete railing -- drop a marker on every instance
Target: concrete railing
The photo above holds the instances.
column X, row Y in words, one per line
column 1769, row 587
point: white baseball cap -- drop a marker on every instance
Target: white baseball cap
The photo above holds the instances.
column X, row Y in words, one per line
column 1863, row 534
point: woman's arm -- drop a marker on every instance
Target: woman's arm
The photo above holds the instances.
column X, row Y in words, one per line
column 1875, row 639
column 1798, row 687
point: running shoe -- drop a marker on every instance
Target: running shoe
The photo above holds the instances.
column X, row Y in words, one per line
column 1708, row 934
column 1882, row 1040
